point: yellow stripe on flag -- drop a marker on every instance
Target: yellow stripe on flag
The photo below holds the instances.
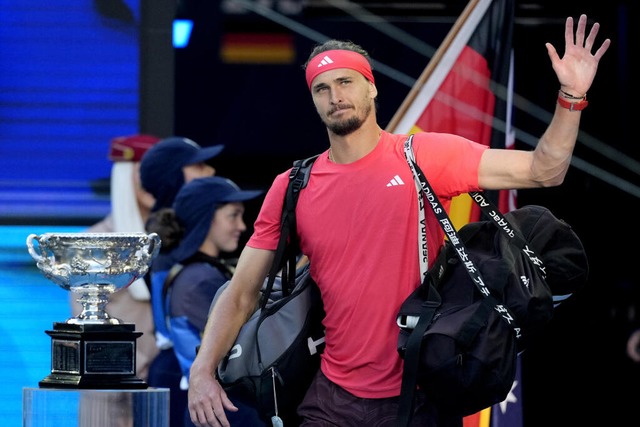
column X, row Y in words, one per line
column 479, row 419
column 251, row 54
column 460, row 210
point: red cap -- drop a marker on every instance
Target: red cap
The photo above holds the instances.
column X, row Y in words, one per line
column 130, row 148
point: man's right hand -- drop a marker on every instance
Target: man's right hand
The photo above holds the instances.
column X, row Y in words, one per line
column 207, row 399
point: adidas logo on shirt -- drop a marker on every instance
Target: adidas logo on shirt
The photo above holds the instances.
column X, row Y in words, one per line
column 396, row 180
column 325, row 61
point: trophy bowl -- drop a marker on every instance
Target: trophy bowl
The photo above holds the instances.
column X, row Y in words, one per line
column 93, row 265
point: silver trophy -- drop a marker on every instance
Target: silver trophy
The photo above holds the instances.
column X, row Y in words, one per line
column 93, row 349
column 93, row 265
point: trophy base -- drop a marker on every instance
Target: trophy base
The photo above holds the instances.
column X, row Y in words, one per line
column 91, row 382
column 93, row 356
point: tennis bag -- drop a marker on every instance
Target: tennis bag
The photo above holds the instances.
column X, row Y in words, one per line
column 277, row 351
column 466, row 359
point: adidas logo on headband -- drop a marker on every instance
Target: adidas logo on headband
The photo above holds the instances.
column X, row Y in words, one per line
column 337, row 58
column 326, row 60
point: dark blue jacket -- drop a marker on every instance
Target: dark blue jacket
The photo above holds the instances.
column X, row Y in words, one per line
column 188, row 301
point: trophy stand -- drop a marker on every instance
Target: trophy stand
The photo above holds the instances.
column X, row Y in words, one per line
column 93, row 356
column 93, row 350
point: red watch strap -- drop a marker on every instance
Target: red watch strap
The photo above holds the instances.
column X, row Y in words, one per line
column 573, row 106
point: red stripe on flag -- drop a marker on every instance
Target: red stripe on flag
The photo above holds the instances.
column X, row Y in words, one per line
column 464, row 104
column 257, row 48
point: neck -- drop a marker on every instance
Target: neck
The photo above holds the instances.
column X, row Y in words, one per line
column 353, row 147
column 209, row 248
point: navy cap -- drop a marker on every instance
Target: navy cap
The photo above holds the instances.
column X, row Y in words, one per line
column 161, row 166
column 195, row 205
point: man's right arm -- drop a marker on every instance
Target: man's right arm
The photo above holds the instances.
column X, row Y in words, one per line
column 233, row 308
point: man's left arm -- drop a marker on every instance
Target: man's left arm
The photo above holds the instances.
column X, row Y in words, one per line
column 547, row 165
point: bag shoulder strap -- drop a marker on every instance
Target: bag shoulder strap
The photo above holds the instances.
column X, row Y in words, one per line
column 449, row 230
column 171, row 276
column 288, row 246
column 412, row 352
column 168, row 281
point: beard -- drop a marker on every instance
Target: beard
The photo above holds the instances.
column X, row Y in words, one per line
column 350, row 125
column 345, row 127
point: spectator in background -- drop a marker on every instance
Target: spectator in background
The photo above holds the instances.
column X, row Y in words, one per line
column 130, row 208
column 173, row 162
column 164, row 169
column 209, row 211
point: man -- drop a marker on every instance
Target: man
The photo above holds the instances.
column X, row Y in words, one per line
column 361, row 235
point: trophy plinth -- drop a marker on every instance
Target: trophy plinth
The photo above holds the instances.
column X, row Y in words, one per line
column 93, row 356
column 93, row 350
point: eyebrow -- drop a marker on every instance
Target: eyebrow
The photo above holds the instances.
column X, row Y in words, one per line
column 337, row 79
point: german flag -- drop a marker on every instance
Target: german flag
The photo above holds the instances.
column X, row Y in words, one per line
column 257, row 48
column 465, row 89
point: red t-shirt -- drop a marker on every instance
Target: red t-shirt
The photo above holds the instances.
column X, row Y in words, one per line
column 358, row 224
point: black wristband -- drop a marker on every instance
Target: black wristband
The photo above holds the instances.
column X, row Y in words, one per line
column 569, row 96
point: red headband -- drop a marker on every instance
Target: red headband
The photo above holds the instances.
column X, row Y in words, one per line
column 332, row 59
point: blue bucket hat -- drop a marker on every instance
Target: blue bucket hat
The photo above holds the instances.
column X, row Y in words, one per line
column 195, row 205
column 161, row 166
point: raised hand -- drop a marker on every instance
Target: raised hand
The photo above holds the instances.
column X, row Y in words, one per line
column 577, row 68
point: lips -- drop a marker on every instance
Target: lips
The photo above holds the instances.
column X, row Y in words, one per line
column 339, row 109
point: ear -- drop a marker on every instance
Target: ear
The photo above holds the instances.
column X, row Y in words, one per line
column 373, row 90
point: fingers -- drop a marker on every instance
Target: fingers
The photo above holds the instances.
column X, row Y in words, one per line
column 210, row 417
column 228, row 404
column 602, row 49
column 553, row 54
column 210, row 412
column 580, row 40
column 592, row 36
column 568, row 31
column 582, row 26
column 220, row 418
column 580, row 31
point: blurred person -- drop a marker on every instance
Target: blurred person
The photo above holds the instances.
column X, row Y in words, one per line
column 209, row 212
column 130, row 208
column 173, row 162
column 164, row 169
column 359, row 232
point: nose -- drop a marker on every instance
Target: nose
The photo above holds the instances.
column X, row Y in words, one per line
column 336, row 96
